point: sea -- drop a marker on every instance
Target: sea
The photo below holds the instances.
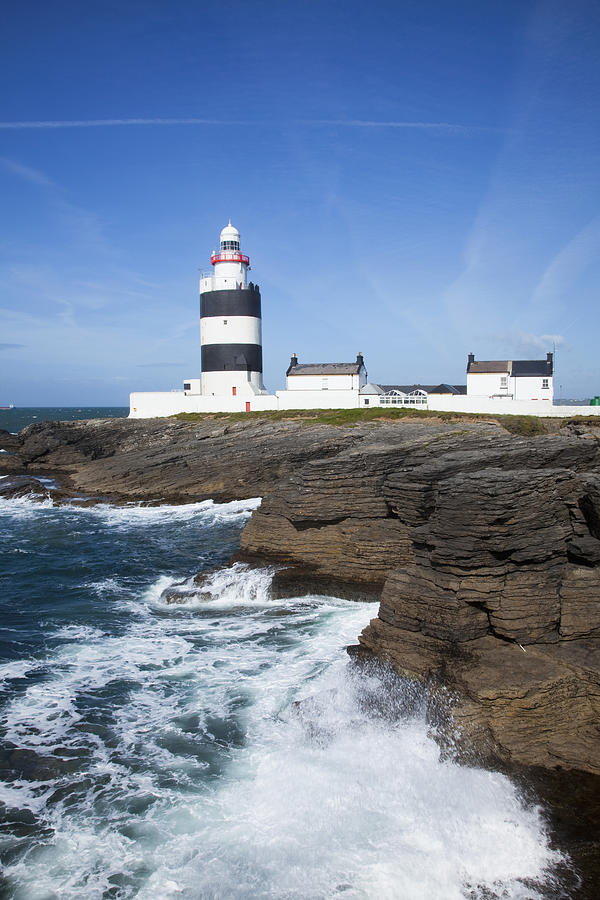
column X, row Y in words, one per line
column 224, row 745
column 16, row 419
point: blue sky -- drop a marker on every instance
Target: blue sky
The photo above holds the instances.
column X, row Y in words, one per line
column 414, row 180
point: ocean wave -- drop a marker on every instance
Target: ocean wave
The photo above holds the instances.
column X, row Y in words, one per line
column 126, row 517
column 138, row 515
column 237, row 586
column 228, row 748
column 24, row 507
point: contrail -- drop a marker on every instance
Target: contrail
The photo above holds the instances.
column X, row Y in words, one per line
column 108, row 123
column 342, row 123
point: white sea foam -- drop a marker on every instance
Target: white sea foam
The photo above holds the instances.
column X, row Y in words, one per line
column 78, row 633
column 126, row 517
column 24, row 507
column 17, row 668
column 311, row 801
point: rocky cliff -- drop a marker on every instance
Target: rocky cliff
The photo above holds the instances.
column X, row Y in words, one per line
column 486, row 548
column 483, row 547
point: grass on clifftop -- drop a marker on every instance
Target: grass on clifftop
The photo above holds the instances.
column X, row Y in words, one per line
column 524, row 425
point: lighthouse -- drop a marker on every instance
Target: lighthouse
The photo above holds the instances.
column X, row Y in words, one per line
column 230, row 323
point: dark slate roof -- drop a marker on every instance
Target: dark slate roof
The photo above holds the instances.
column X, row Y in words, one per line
column 513, row 367
column 325, row 369
column 428, row 388
column 532, row 367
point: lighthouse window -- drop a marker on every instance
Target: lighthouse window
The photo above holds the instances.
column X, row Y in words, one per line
column 230, row 245
column 224, row 321
column 545, row 384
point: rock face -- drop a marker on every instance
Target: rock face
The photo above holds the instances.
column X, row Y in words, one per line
column 483, row 547
column 487, row 550
column 170, row 460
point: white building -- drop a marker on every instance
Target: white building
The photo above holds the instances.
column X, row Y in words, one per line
column 512, row 379
column 323, row 385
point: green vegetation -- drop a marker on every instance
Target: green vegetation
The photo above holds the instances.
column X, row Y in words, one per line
column 592, row 421
column 528, row 426
column 523, row 425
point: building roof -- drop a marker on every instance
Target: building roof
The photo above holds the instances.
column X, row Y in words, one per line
column 532, row 367
column 513, row 367
column 352, row 368
column 480, row 366
column 428, row 388
column 371, row 389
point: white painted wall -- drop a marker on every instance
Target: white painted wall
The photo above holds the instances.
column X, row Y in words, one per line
column 500, row 405
column 221, row 384
column 195, row 385
column 225, row 276
column 488, row 384
column 330, row 399
column 167, row 403
column 531, row 388
column 485, row 384
column 230, row 330
column 149, row 405
column 322, row 382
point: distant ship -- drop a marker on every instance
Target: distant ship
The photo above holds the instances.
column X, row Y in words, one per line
column 10, row 406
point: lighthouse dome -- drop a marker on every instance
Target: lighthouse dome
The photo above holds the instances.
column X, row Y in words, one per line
column 230, row 238
column 230, row 233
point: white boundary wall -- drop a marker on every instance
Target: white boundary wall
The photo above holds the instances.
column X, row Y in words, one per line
column 148, row 405
column 327, row 399
column 154, row 404
column 501, row 406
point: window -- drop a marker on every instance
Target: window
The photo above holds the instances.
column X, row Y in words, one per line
column 545, row 384
column 504, row 381
column 366, row 402
column 224, row 321
column 324, row 384
column 230, row 245
column 187, row 386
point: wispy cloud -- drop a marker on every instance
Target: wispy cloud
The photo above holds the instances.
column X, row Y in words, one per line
column 35, row 176
column 560, row 276
column 80, row 221
column 159, row 365
column 107, row 123
column 11, row 346
column 342, row 123
column 540, row 342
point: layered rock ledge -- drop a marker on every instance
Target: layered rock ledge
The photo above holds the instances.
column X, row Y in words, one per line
column 483, row 547
column 486, row 549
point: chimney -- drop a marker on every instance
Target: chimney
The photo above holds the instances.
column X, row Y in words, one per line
column 360, row 359
column 471, row 360
column 293, row 362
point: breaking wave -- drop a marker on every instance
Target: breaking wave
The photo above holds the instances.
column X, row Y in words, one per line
column 225, row 746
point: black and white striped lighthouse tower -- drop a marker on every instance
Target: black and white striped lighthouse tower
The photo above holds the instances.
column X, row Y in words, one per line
column 230, row 324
